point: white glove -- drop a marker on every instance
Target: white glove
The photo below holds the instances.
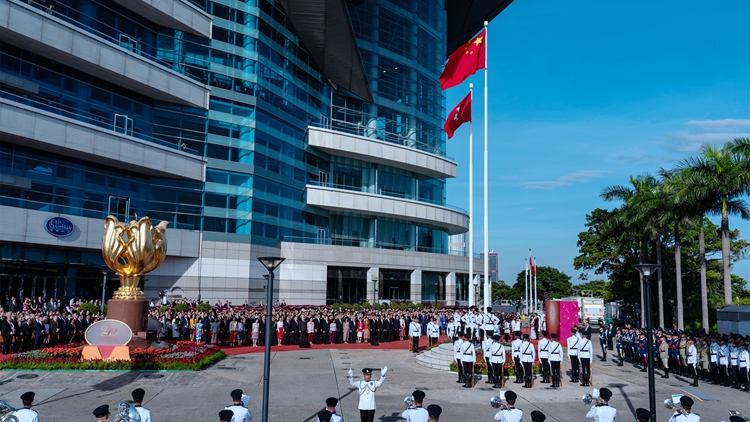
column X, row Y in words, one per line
column 351, row 373
column 383, row 371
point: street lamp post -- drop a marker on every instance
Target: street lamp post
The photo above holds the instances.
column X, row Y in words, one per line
column 270, row 262
column 647, row 270
column 104, row 287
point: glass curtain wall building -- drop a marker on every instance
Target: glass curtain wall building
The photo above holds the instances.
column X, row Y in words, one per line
column 255, row 153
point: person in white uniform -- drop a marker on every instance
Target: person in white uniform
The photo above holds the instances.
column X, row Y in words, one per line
column 486, row 345
column 515, row 350
column 528, row 356
column 691, row 356
column 416, row 413
column 225, row 415
column 457, row 355
column 240, row 412
column 101, row 413
column 687, row 404
column 497, row 359
column 433, row 332
column 511, row 414
column 434, row 411
column 26, row 414
column 331, row 403
column 415, row 331
column 602, row 411
column 366, row 389
column 468, row 357
column 138, row 395
column 543, row 354
column 555, row 360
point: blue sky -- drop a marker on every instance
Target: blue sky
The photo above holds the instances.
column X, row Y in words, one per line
column 584, row 94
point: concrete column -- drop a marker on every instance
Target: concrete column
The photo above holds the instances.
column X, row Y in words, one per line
column 450, row 289
column 373, row 280
column 416, row 286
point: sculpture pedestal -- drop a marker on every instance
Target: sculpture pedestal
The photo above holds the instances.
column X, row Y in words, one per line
column 105, row 353
column 133, row 313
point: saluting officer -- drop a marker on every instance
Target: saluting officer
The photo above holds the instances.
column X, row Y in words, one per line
column 366, row 389
column 528, row 356
column 416, row 413
column 555, row 359
column 239, row 411
column 27, row 414
column 544, row 356
column 602, row 411
column 511, row 414
column 497, row 359
column 138, row 395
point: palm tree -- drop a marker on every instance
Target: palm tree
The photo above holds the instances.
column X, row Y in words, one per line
column 717, row 179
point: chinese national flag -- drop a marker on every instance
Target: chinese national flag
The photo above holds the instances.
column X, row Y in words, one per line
column 458, row 116
column 464, row 62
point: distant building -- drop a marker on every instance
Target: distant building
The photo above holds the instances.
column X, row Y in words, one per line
column 492, row 265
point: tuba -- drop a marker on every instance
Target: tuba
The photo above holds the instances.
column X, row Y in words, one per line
column 736, row 413
column 497, row 402
column 126, row 412
column 6, row 412
column 409, row 402
column 669, row 404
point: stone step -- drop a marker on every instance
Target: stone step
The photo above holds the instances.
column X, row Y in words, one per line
column 431, row 362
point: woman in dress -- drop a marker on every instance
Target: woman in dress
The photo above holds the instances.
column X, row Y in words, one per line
column 256, row 331
column 402, row 328
column 345, row 329
column 334, row 330
column 360, row 328
column 366, row 330
column 279, row 331
column 240, row 331
column 198, row 331
column 232, row 332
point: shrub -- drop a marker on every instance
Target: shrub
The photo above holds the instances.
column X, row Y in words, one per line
column 88, row 307
column 204, row 307
column 181, row 307
column 163, row 309
column 336, row 306
column 366, row 305
column 356, row 307
column 419, row 306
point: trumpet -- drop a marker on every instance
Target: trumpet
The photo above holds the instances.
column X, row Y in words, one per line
column 409, row 402
column 736, row 413
column 588, row 399
column 6, row 413
column 497, row 402
column 669, row 404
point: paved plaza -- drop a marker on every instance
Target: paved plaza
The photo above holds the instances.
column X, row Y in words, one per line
column 301, row 380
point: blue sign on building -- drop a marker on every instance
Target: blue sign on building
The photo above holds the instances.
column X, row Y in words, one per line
column 59, row 226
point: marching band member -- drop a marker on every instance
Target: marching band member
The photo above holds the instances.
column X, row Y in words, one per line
column 27, row 414
column 687, row 404
column 366, row 389
column 528, row 356
column 511, row 414
column 240, row 412
column 497, row 359
column 416, row 413
column 602, row 411
column 543, row 345
column 331, row 403
column 138, row 395
column 434, row 411
column 642, row 415
column 555, row 359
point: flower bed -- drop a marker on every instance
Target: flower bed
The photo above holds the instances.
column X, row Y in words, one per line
column 186, row 356
column 480, row 367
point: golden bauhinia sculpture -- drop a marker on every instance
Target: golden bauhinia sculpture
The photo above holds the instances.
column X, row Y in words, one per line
column 133, row 250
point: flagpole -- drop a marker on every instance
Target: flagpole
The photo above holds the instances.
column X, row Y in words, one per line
column 472, row 292
column 536, row 291
column 526, row 289
column 487, row 297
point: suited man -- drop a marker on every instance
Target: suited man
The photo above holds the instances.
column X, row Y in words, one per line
column 53, row 331
column 610, row 336
column 27, row 329
column 387, row 324
column 325, row 330
column 302, row 324
column 316, row 330
column 8, row 329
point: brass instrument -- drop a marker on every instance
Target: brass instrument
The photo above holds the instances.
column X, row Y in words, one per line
column 409, row 402
column 126, row 412
column 6, row 412
column 592, row 398
column 498, row 403
column 736, row 413
column 669, row 404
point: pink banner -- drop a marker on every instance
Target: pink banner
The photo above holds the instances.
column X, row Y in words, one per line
column 561, row 317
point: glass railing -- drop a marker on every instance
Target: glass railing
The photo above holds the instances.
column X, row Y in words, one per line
column 369, row 243
column 355, row 123
column 376, row 191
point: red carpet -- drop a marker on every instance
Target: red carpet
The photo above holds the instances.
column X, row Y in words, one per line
column 394, row 345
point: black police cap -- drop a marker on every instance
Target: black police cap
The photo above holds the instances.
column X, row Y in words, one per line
column 101, row 411
column 226, row 415
column 28, row 396
column 537, row 416
column 324, row 416
column 418, row 395
column 434, row 410
column 236, row 394
column 510, row 396
column 332, row 401
column 643, row 414
column 138, row 393
column 686, row 401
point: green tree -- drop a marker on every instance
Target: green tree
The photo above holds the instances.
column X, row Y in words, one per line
column 552, row 284
column 598, row 288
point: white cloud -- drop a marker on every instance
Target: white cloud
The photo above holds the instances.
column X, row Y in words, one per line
column 700, row 132
column 583, row 176
column 723, row 124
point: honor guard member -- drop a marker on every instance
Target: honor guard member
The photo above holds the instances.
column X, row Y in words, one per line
column 468, row 320
column 515, row 347
column 450, row 329
column 603, row 342
column 691, row 358
column 528, row 356
column 331, row 403
column 486, row 345
column 537, row 416
column 745, row 368
column 642, row 415
column 602, row 411
column 497, row 359
column 734, row 361
column 225, row 415
column 434, row 411
column 457, row 348
column 682, row 347
column 687, row 404
column 723, row 362
column 240, row 412
column 27, row 414
column 573, row 341
column 433, row 332
column 543, row 345
column 713, row 368
column 555, row 359
column 415, row 331
column 489, row 320
column 101, row 413
column 416, row 413
column 511, row 414
column 366, row 389
column 138, row 395
column 468, row 357
column 324, row 416
column 584, row 357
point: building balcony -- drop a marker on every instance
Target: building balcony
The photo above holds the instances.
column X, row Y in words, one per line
column 51, row 132
column 175, row 14
column 454, row 220
column 373, row 150
column 50, row 36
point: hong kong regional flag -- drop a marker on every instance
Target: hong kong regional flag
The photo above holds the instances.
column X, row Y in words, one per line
column 464, row 62
column 458, row 116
